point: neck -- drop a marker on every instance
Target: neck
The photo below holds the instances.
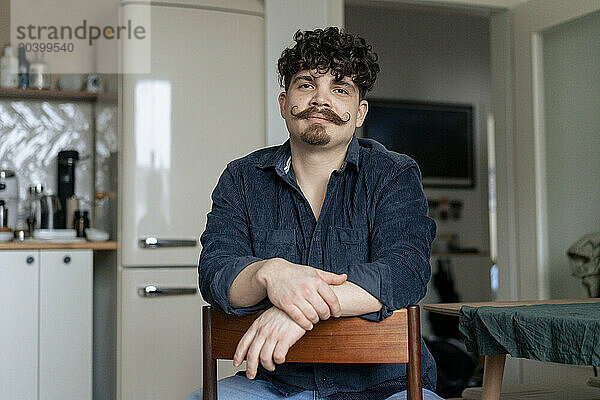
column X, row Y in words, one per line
column 313, row 164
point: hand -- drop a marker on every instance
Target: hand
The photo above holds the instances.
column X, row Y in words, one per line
column 301, row 291
column 268, row 339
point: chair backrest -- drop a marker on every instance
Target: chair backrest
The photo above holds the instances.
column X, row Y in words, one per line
column 396, row 339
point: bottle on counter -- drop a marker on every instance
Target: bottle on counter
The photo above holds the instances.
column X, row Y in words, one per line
column 34, row 207
column 3, row 216
column 82, row 222
column 9, row 69
column 30, row 226
column 21, row 231
column 23, row 69
column 39, row 73
column 73, row 205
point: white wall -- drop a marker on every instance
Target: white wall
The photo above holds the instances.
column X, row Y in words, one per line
column 4, row 23
column 282, row 20
column 439, row 57
column 572, row 100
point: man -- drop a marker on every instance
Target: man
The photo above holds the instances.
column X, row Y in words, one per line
column 325, row 225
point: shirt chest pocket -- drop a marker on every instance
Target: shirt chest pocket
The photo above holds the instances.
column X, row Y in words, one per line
column 348, row 246
column 271, row 243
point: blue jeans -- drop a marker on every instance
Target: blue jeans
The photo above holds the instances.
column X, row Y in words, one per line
column 241, row 388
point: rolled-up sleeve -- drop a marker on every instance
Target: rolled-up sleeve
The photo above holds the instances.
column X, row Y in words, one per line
column 400, row 243
column 226, row 246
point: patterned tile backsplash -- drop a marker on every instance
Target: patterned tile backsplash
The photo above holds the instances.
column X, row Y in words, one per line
column 106, row 167
column 32, row 132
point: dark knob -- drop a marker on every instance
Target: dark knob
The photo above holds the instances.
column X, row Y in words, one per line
column 30, row 260
column 67, row 259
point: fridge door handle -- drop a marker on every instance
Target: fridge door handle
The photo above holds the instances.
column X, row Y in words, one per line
column 154, row 243
column 155, row 291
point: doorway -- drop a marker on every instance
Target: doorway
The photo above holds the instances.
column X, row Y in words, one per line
column 443, row 55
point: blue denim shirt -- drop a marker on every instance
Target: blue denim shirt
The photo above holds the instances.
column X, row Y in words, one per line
column 373, row 227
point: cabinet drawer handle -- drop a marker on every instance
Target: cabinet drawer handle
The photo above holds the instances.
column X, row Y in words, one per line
column 154, row 291
column 67, row 259
column 30, row 260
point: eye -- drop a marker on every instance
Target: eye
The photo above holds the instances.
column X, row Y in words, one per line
column 341, row 91
column 305, row 85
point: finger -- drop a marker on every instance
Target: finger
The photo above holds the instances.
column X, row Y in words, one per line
column 298, row 317
column 280, row 352
column 266, row 354
column 331, row 299
column 332, row 279
column 320, row 306
column 243, row 345
column 253, row 353
column 308, row 311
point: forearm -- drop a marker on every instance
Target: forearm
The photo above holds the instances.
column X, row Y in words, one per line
column 247, row 290
column 355, row 300
column 302, row 292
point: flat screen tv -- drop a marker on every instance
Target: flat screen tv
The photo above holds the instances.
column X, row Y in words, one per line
column 438, row 136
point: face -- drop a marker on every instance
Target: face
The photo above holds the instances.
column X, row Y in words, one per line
column 320, row 111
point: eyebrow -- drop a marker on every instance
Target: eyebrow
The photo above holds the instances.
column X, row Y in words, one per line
column 310, row 78
column 344, row 83
column 303, row 77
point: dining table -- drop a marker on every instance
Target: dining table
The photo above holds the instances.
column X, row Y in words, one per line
column 565, row 331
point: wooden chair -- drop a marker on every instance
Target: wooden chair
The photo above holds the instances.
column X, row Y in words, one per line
column 397, row 339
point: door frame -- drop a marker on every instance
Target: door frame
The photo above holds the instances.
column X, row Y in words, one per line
column 502, row 110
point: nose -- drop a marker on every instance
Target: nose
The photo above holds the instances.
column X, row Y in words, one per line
column 320, row 99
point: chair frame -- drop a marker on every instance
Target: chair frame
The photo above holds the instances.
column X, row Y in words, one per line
column 397, row 339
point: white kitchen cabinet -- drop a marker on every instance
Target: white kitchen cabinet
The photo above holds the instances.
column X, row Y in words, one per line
column 65, row 324
column 46, row 328
column 19, row 277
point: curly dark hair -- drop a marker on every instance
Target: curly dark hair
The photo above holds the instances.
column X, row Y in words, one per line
column 330, row 49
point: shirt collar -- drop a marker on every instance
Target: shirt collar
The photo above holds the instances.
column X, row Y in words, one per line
column 353, row 154
column 281, row 158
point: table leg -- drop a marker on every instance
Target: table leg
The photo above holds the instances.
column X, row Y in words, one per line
column 492, row 376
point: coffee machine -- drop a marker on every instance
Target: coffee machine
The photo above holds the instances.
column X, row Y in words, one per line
column 66, row 182
column 9, row 194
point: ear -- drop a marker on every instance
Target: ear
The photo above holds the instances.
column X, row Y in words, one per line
column 363, row 108
column 281, row 99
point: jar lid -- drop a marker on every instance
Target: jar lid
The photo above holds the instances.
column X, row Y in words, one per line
column 37, row 189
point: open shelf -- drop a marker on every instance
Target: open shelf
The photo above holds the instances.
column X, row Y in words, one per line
column 52, row 94
column 45, row 245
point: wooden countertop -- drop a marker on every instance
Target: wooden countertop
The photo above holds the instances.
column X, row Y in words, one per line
column 47, row 245
column 453, row 309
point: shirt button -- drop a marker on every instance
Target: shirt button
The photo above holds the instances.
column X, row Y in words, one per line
column 323, row 378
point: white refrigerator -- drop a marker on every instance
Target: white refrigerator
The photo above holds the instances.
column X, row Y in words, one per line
column 201, row 106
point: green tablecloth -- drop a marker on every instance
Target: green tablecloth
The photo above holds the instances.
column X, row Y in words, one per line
column 562, row 333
